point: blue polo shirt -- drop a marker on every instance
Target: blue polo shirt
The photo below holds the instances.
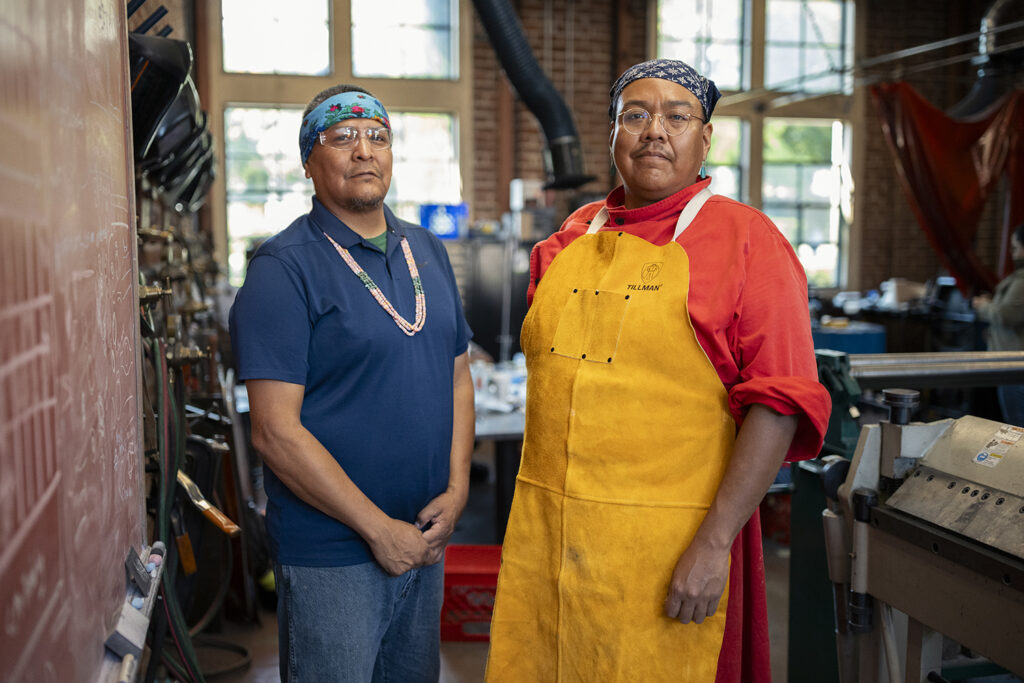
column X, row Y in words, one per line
column 379, row 401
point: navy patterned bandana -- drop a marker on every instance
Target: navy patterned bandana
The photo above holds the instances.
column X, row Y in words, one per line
column 670, row 70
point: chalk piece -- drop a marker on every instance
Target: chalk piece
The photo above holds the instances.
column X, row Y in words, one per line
column 156, row 559
column 129, row 636
column 150, row 566
column 138, row 602
column 137, row 573
column 158, row 548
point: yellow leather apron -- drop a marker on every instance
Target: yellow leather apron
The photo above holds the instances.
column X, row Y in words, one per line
column 628, row 434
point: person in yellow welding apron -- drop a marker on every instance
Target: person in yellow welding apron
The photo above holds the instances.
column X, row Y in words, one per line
column 641, row 360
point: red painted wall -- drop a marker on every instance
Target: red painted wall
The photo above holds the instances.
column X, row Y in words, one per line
column 70, row 463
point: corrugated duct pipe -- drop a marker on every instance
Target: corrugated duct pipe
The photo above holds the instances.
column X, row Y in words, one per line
column 563, row 158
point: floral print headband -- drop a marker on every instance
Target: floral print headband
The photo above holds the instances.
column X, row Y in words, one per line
column 336, row 108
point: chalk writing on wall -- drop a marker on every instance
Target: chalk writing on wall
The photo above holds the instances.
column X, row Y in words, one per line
column 71, row 496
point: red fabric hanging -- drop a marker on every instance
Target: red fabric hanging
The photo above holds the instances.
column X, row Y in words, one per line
column 948, row 167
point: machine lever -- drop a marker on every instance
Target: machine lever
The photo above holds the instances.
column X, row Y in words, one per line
column 213, row 513
column 833, row 474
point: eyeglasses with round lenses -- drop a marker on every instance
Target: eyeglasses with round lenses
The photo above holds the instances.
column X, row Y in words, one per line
column 346, row 137
column 675, row 122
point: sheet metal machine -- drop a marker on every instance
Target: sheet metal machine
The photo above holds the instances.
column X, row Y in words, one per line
column 924, row 526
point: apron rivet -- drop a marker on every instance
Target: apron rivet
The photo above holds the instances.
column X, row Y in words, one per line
column 552, row 349
column 596, row 292
column 620, row 234
column 627, row 296
column 583, row 356
column 575, row 290
column 609, row 360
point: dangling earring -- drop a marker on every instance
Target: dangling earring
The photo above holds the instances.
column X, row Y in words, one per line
column 703, row 171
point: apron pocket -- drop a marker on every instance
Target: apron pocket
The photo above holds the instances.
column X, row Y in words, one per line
column 589, row 326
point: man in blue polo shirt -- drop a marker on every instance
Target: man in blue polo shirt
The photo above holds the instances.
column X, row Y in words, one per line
column 350, row 335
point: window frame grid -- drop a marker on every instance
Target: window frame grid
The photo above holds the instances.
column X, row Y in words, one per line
column 760, row 104
column 220, row 89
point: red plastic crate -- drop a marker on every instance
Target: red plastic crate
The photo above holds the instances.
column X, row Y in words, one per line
column 470, row 578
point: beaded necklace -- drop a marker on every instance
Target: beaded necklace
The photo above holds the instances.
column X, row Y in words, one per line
column 421, row 298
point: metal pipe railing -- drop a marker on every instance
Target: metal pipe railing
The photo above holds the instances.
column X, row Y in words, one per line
column 860, row 359
column 933, row 370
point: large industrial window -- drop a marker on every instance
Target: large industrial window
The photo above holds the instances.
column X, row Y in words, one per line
column 274, row 56
column 777, row 143
column 426, row 163
column 809, row 45
column 273, row 37
column 267, row 188
column 806, row 192
column 725, row 160
column 708, row 35
column 422, row 39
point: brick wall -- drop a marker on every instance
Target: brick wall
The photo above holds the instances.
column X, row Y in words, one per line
column 576, row 44
column 487, row 78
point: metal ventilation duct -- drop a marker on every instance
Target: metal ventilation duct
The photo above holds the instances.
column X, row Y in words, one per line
column 563, row 158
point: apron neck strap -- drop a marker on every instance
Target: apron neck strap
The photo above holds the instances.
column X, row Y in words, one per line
column 686, row 216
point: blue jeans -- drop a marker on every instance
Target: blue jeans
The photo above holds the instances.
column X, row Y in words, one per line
column 359, row 624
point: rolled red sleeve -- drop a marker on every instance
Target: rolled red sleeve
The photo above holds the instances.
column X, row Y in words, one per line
column 789, row 396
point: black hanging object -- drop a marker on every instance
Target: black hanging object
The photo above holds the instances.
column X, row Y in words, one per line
column 158, row 68
column 179, row 124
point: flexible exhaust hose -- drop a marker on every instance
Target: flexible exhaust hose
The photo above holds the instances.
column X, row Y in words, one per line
column 563, row 158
